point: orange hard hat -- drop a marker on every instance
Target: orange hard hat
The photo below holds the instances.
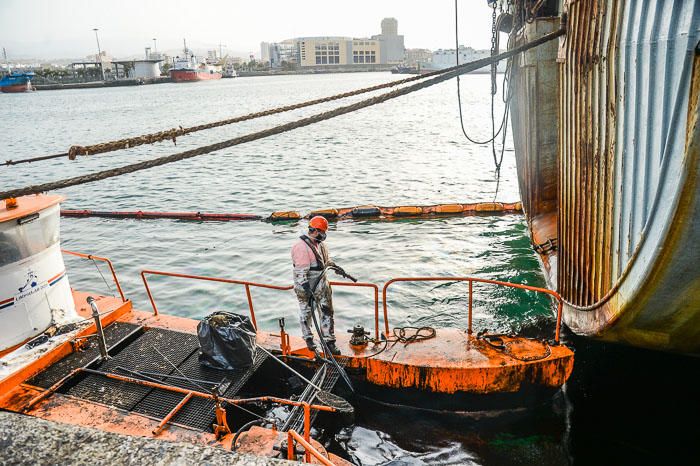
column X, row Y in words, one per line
column 319, row 223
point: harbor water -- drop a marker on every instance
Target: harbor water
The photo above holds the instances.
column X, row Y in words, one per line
column 409, row 151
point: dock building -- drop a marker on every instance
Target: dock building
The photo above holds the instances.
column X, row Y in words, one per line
column 390, row 42
column 338, row 51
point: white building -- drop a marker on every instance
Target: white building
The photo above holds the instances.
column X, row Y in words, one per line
column 385, row 48
column 265, row 52
column 413, row 57
column 145, row 69
column 391, row 44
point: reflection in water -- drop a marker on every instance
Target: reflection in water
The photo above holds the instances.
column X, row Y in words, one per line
column 390, row 434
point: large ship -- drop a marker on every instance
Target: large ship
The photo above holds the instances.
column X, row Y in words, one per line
column 17, row 81
column 445, row 58
column 190, row 68
column 607, row 146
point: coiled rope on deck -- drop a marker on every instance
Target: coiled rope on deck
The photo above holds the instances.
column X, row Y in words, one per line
column 457, row 70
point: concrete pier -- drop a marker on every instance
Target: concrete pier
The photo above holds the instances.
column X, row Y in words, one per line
column 99, row 84
column 26, row 440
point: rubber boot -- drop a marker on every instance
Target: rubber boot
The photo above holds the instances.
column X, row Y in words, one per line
column 332, row 348
column 311, row 345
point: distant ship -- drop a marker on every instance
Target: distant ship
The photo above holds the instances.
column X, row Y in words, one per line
column 188, row 68
column 401, row 69
column 229, row 71
column 442, row 59
column 17, row 82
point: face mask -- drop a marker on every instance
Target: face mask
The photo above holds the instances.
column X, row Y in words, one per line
column 319, row 236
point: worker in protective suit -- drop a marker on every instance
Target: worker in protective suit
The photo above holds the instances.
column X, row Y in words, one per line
column 309, row 257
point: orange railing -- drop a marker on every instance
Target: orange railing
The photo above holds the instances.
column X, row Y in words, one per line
column 102, row 259
column 307, row 407
column 292, row 438
column 247, row 285
column 472, row 280
column 376, row 304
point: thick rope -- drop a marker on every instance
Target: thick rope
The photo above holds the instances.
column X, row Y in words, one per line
column 174, row 133
column 454, row 71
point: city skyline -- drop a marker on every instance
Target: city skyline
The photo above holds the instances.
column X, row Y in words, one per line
column 38, row 28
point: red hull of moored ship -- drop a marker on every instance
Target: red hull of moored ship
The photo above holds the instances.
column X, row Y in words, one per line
column 24, row 87
column 182, row 75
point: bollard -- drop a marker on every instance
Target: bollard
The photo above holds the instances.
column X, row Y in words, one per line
column 98, row 325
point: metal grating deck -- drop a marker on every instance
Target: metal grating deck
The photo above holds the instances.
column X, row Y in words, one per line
column 182, row 350
column 139, row 356
column 114, row 334
column 325, row 377
column 198, row 412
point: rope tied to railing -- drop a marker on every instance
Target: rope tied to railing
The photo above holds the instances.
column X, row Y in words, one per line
column 454, row 71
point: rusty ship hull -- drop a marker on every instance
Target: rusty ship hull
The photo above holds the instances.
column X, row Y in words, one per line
column 607, row 145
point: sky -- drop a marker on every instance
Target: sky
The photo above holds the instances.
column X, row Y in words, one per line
column 46, row 29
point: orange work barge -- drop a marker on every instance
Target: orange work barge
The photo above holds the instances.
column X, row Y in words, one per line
column 104, row 364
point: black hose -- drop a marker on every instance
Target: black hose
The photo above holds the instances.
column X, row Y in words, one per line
column 314, row 303
column 326, row 350
column 245, row 426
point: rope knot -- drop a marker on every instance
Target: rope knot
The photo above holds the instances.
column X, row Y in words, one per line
column 75, row 151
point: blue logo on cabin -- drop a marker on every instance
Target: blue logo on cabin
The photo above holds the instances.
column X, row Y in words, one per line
column 31, row 281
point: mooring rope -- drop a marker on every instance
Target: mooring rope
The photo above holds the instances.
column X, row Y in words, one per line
column 174, row 133
column 101, row 175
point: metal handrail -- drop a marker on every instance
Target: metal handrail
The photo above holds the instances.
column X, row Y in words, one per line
column 376, row 304
column 471, row 280
column 247, row 285
column 102, row 259
column 309, row 450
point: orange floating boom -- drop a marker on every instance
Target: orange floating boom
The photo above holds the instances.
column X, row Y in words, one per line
column 364, row 211
column 140, row 214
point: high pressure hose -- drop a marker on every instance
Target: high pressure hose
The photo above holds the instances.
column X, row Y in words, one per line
column 244, row 427
column 315, row 306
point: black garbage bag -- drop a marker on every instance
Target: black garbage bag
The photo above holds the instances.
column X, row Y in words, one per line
column 226, row 341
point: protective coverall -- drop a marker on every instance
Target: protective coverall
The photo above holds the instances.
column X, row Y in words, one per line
column 308, row 267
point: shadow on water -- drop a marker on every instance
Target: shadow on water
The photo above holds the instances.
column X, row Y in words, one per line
column 392, row 435
column 633, row 406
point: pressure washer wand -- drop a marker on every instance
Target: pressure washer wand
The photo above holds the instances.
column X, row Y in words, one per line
column 314, row 304
column 327, row 351
column 340, row 271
